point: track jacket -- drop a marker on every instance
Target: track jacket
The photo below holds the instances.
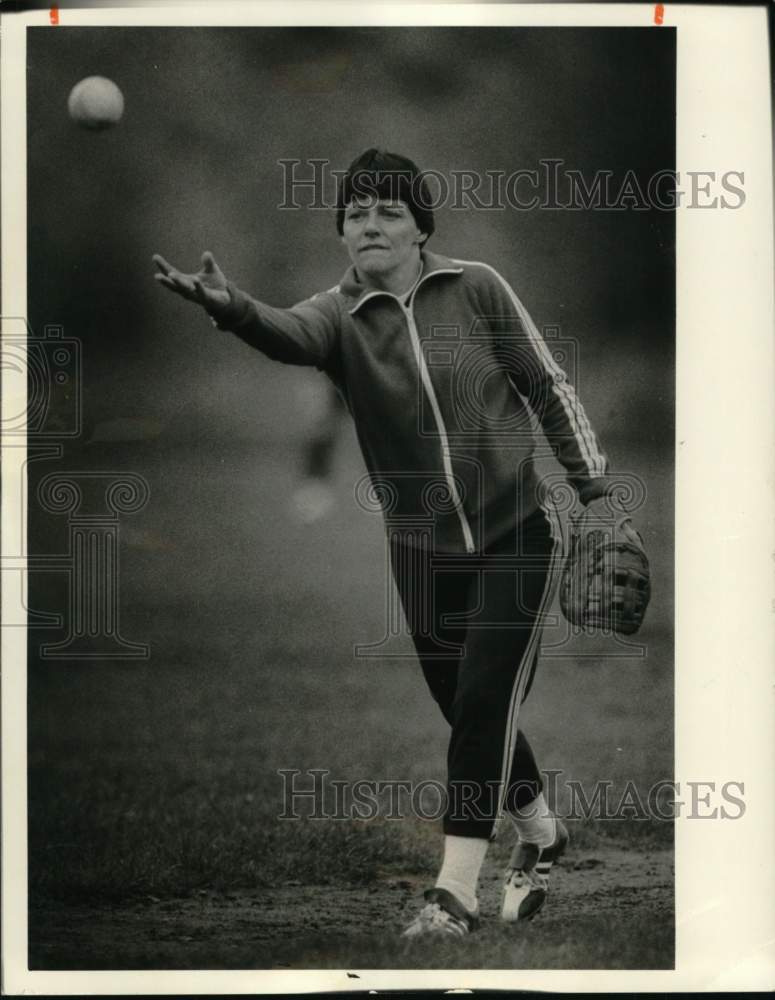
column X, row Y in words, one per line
column 444, row 388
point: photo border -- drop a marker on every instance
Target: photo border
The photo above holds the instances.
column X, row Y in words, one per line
column 724, row 480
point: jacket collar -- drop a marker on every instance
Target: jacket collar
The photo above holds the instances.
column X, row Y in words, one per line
column 353, row 287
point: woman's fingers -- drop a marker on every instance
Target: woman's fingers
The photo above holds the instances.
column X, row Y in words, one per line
column 167, row 270
column 164, row 266
column 164, row 280
column 173, row 278
column 177, row 283
column 188, row 285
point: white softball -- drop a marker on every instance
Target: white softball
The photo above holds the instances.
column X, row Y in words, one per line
column 96, row 102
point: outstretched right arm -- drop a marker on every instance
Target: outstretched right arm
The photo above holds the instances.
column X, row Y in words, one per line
column 303, row 335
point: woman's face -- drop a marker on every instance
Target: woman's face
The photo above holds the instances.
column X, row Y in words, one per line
column 381, row 237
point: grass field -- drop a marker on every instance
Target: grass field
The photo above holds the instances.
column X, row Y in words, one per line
column 154, row 794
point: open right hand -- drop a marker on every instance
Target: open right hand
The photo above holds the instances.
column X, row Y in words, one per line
column 208, row 287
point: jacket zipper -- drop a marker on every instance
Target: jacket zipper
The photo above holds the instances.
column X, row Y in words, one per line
column 431, row 394
column 425, row 377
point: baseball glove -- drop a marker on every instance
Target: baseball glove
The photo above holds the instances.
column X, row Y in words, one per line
column 606, row 582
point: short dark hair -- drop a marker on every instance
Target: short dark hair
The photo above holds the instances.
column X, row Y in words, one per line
column 379, row 174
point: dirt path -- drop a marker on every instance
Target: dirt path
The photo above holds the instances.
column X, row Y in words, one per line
column 309, row 926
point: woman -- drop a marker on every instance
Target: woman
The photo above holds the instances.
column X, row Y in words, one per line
column 444, row 373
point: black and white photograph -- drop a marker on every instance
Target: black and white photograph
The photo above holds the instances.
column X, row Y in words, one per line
column 342, row 546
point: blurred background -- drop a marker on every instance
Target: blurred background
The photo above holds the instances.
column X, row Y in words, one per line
column 251, row 614
column 194, row 165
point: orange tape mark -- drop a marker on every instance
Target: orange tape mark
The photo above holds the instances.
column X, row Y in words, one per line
column 53, row 14
column 659, row 13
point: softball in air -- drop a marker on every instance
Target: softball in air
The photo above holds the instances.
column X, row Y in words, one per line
column 96, row 103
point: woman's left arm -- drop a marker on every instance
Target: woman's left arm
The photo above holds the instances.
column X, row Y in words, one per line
column 549, row 393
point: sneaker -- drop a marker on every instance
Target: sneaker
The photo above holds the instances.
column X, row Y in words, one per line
column 442, row 914
column 527, row 877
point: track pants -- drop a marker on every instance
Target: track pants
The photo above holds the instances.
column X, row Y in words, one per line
column 476, row 624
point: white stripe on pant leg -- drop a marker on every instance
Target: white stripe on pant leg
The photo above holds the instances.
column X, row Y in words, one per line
column 523, row 672
column 520, row 682
column 517, row 691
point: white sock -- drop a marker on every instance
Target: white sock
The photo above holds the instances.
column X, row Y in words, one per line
column 535, row 822
column 463, row 857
